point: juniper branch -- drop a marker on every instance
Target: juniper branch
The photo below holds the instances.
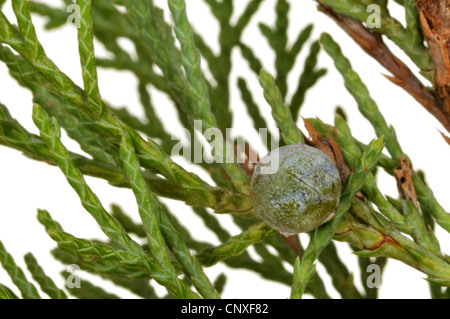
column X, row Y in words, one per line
column 46, row 283
column 26, row 288
column 281, row 113
column 51, row 135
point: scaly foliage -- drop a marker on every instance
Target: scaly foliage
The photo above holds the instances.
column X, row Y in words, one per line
column 132, row 152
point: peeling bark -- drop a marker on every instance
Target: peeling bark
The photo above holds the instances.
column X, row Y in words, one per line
column 435, row 20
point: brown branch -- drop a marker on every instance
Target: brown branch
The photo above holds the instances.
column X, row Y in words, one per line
column 372, row 43
column 435, row 20
column 446, row 138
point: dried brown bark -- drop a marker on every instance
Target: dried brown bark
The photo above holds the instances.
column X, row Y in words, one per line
column 330, row 147
column 403, row 174
column 435, row 20
column 372, row 43
column 446, row 138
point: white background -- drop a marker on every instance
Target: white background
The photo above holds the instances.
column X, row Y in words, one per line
column 27, row 185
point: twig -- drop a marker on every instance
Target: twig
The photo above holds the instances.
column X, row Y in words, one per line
column 372, row 44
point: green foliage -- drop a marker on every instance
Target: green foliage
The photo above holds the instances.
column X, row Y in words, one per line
column 132, row 152
column 46, row 283
column 281, row 113
column 6, row 293
column 235, row 245
column 88, row 290
column 27, row 289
